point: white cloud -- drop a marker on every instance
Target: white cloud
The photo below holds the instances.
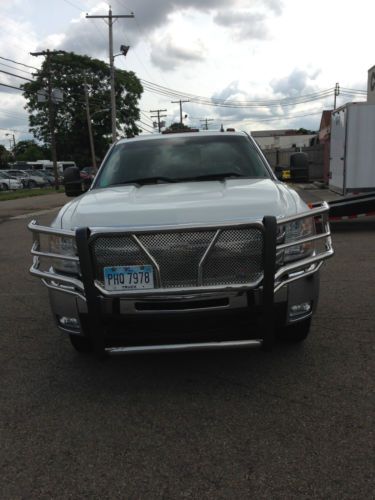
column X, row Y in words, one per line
column 236, row 49
column 168, row 55
column 298, row 82
column 244, row 24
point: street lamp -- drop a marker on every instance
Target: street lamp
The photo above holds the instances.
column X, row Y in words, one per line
column 124, row 50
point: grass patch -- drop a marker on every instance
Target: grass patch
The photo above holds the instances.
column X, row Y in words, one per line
column 28, row 193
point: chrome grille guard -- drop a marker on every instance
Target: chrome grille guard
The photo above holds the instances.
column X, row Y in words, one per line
column 282, row 275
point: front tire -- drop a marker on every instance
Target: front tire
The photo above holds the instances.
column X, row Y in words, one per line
column 32, row 184
column 296, row 332
column 3, row 187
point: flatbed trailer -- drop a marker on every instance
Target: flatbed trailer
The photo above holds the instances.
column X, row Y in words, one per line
column 351, row 207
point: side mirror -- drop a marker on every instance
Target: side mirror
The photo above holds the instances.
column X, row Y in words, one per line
column 72, row 181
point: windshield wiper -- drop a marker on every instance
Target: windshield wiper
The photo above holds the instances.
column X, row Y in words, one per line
column 154, row 180
column 143, row 180
column 209, row 177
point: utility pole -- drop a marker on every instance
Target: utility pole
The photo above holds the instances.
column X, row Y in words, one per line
column 180, row 102
column 205, row 121
column 111, row 19
column 92, row 147
column 14, row 140
column 337, row 93
column 158, row 116
column 51, row 108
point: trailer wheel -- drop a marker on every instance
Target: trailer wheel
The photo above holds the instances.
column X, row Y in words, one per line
column 296, row 332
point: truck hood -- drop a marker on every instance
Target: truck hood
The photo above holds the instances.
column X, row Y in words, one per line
column 181, row 203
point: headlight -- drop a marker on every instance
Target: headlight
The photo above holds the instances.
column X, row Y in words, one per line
column 295, row 231
column 64, row 245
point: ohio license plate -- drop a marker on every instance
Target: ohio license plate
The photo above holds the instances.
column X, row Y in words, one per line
column 128, row 277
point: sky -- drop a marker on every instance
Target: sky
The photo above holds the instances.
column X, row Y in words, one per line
column 226, row 50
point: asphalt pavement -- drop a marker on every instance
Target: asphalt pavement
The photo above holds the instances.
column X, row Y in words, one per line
column 34, row 205
column 293, row 423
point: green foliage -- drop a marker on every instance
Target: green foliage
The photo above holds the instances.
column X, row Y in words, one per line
column 30, row 151
column 28, row 193
column 177, row 126
column 4, row 156
column 68, row 72
column 305, row 131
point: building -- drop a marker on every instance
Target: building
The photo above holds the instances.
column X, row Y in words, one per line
column 283, row 139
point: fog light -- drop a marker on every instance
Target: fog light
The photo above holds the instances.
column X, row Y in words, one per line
column 300, row 309
column 69, row 322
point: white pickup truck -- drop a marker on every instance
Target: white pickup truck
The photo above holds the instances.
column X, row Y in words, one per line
column 183, row 241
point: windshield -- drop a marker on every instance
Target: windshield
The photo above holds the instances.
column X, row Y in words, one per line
column 177, row 159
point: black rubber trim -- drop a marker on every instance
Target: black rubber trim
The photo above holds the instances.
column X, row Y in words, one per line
column 269, row 263
column 92, row 297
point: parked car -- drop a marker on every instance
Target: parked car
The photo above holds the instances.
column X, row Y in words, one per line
column 183, row 241
column 48, row 176
column 88, row 172
column 29, row 178
column 87, row 175
column 20, row 175
column 8, row 182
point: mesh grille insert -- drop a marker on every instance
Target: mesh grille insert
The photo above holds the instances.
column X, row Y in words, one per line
column 178, row 255
column 234, row 259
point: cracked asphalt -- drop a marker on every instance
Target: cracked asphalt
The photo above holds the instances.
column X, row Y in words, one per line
column 294, row 423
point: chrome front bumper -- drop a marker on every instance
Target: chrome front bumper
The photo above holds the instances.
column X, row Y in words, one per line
column 83, row 294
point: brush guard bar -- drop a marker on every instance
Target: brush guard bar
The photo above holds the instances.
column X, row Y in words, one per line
column 85, row 286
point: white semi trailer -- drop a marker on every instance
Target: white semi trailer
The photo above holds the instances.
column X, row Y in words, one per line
column 352, row 159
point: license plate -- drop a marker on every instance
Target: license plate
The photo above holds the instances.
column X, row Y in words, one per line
column 128, row 277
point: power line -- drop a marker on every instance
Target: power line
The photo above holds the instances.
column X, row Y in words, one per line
column 243, row 104
column 10, row 86
column 170, row 92
column 146, row 116
column 17, row 69
column 146, row 125
column 354, row 90
column 72, row 4
column 13, row 74
column 16, row 62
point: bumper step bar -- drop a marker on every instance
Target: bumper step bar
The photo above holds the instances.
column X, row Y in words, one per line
column 198, row 346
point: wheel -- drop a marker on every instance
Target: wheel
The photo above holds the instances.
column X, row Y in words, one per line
column 81, row 344
column 3, row 187
column 32, row 184
column 296, row 332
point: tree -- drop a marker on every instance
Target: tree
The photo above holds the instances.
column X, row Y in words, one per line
column 30, row 151
column 67, row 72
column 177, row 126
column 304, row 131
column 4, row 156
